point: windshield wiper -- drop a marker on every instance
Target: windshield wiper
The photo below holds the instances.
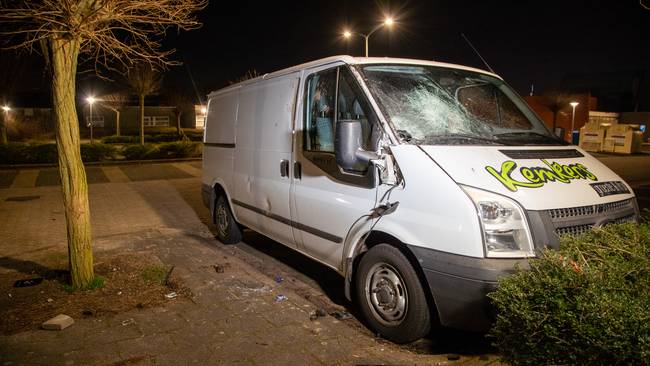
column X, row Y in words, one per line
column 529, row 135
column 459, row 137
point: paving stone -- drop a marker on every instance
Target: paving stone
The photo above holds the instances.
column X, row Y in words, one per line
column 115, row 174
column 142, row 172
column 59, row 322
column 7, row 177
column 25, row 179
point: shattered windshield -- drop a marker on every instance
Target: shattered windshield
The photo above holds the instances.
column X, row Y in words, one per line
column 434, row 105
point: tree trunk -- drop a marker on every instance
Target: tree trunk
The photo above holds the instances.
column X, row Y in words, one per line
column 3, row 127
column 141, row 119
column 554, row 120
column 179, row 130
column 117, row 122
column 64, row 53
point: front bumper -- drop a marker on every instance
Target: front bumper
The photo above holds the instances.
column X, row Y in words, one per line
column 459, row 285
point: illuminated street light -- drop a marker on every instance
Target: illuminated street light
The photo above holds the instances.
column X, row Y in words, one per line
column 389, row 21
column 6, row 108
column 573, row 117
column 91, row 100
column 203, row 110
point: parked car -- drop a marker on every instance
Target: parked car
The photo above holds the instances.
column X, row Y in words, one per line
column 421, row 183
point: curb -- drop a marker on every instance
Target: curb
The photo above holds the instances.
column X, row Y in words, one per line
column 101, row 163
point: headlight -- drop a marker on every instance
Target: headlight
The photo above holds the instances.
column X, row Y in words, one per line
column 505, row 229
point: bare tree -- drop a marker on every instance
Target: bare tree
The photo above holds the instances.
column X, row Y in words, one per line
column 250, row 74
column 555, row 101
column 10, row 73
column 143, row 80
column 106, row 32
column 183, row 103
column 114, row 102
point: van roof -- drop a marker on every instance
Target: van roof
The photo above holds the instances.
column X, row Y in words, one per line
column 352, row 61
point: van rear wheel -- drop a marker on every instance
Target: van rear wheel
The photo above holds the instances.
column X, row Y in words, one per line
column 390, row 295
column 228, row 232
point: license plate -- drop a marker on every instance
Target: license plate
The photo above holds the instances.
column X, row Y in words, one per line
column 609, row 188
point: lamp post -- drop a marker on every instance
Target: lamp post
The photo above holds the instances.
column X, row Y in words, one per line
column 91, row 100
column 387, row 22
column 573, row 117
column 3, row 124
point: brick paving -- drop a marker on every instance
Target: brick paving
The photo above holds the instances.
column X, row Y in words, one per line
column 233, row 318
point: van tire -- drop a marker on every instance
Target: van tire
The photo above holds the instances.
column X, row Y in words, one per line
column 385, row 276
column 228, row 231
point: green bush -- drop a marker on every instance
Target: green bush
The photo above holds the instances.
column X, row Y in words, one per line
column 177, row 149
column 139, row 152
column 21, row 153
column 114, row 139
column 585, row 304
column 97, row 152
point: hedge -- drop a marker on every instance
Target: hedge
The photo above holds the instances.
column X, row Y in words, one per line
column 587, row 303
column 21, row 153
column 162, row 137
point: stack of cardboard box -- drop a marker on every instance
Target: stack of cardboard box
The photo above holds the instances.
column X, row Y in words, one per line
column 622, row 139
column 592, row 136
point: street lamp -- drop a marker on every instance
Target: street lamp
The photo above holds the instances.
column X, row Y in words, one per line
column 389, row 21
column 91, row 100
column 573, row 117
column 6, row 108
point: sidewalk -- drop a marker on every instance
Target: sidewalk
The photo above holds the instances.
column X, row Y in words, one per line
column 233, row 318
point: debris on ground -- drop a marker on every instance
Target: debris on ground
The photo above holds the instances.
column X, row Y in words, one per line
column 128, row 321
column 49, row 299
column 218, row 268
column 278, row 279
column 169, row 274
column 318, row 313
column 59, row 322
column 341, row 315
column 280, row 298
column 171, row 295
column 28, row 282
column 88, row 312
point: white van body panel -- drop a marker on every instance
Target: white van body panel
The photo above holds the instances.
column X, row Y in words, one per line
column 433, row 211
column 467, row 165
column 264, row 139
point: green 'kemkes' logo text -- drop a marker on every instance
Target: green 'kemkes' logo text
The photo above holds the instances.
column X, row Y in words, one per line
column 536, row 177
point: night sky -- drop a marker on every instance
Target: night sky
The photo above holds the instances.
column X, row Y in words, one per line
column 526, row 42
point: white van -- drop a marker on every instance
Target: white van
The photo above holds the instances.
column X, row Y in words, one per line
column 420, row 182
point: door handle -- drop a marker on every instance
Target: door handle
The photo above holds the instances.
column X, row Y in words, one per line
column 284, row 168
column 297, row 170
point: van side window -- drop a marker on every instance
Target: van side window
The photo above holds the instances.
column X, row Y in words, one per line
column 319, row 111
column 352, row 105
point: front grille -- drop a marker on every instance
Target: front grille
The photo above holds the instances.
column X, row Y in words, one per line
column 578, row 220
column 577, row 212
column 573, row 230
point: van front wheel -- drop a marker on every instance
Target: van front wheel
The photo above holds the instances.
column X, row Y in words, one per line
column 228, row 231
column 390, row 295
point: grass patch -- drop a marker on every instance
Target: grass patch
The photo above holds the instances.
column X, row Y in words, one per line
column 96, row 283
column 155, row 274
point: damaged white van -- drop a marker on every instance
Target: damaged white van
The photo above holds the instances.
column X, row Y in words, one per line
column 420, row 182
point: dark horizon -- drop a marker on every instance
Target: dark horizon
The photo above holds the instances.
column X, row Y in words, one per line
column 601, row 44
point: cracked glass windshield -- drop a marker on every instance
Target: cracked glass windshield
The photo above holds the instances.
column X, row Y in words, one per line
column 441, row 106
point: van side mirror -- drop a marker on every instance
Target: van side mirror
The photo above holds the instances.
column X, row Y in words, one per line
column 347, row 146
